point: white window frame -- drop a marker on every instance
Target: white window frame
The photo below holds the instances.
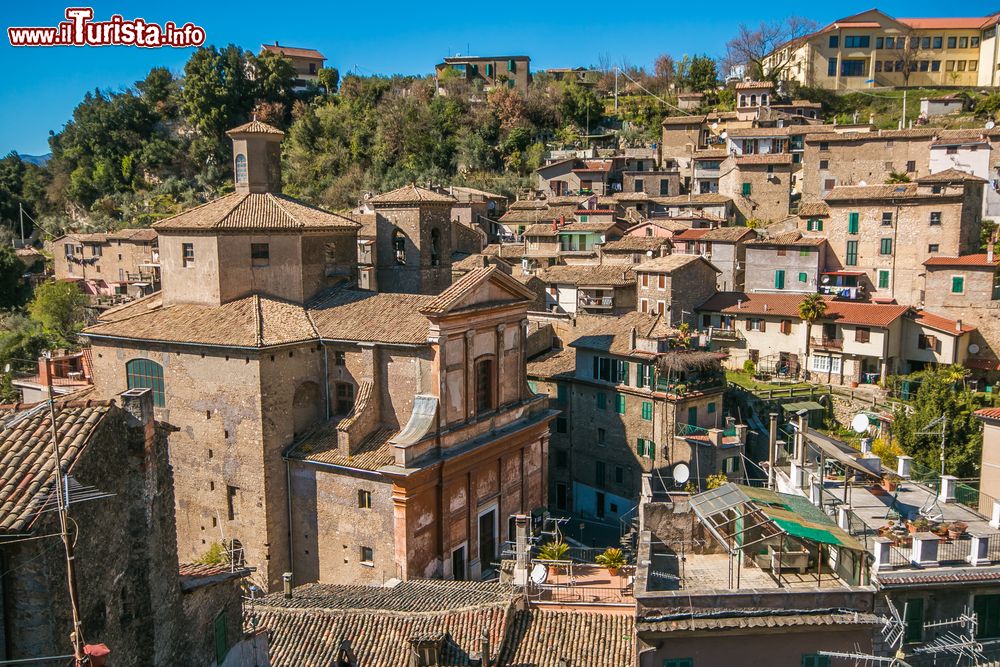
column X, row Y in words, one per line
column 831, row 363
column 644, row 305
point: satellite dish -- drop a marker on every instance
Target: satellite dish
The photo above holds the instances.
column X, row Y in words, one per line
column 681, row 473
column 825, row 279
column 649, row 253
column 862, row 183
column 973, row 348
column 990, row 125
column 860, row 423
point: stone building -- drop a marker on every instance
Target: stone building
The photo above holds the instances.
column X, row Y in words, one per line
column 125, row 263
column 588, row 288
column 725, row 247
column 486, row 71
column 760, row 185
column 889, row 231
column 672, row 286
column 634, row 249
column 788, row 262
column 306, row 62
column 623, row 414
column 131, row 595
column 258, row 340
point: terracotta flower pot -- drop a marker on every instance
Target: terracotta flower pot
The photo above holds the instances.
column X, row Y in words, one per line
column 612, row 571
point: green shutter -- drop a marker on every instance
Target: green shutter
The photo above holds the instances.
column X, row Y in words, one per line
column 803, row 277
column 511, row 66
column 221, row 640
column 886, row 248
column 883, row 280
column 779, row 279
column 852, row 254
column 693, row 415
column 647, row 410
column 640, row 375
column 640, row 447
column 914, row 620
column 620, row 403
column 746, row 189
column 957, row 284
column 651, row 381
column 711, row 408
column 597, row 370
column 602, row 401
column 561, row 393
column 814, row 225
column 852, row 223
column 651, row 449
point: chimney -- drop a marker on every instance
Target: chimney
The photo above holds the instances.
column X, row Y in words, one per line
column 138, row 406
column 958, row 326
column 44, row 371
column 286, row 584
column 772, row 447
column 485, row 649
column 522, row 550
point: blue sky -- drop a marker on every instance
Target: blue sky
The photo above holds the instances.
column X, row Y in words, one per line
column 42, row 85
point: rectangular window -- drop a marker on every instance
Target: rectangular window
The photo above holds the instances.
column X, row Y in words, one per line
column 851, row 258
column 925, row 42
column 562, row 425
column 890, row 42
column 639, row 185
column 647, row 410
column 987, row 610
column 826, row 364
column 599, row 474
column 619, row 479
column 885, row 247
column 887, row 218
column 831, row 67
column 367, row 556
column 602, row 435
column 879, row 42
column 883, row 279
column 602, row 401
column 779, row 279
column 935, row 65
column 852, row 68
column 937, row 42
column 747, row 188
column 364, row 499
column 933, row 247
column 511, row 66
column 711, row 408
column 730, row 464
column 561, row 394
column 221, row 637
column 952, row 42
column 260, row 254
column 862, row 334
column 187, row 250
column 664, row 188
column 785, row 327
column 620, row 403
column 857, row 42
column 973, row 42
column 834, row 41
column 852, row 222
column 693, row 415
column 824, row 164
column 958, row 284
column 231, row 510
column 914, row 620
column 339, row 358
column 814, row 225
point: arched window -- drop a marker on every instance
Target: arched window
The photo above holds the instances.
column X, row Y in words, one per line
column 484, row 385
column 753, row 100
column 146, row 374
column 241, row 168
column 435, row 247
column 399, row 246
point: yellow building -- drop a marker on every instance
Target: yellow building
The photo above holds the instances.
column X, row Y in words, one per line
column 873, row 49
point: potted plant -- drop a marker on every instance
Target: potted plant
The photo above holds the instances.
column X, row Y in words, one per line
column 613, row 559
column 553, row 551
column 920, row 525
column 890, row 481
column 956, row 529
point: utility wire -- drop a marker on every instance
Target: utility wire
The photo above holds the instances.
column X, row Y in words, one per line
column 622, row 72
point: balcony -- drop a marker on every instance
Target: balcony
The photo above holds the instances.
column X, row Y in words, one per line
column 824, row 343
column 843, row 291
column 599, row 302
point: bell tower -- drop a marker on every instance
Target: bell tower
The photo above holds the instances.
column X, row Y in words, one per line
column 256, row 157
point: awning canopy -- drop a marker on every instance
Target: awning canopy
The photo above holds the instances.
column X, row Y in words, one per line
column 740, row 516
column 843, row 273
column 839, row 451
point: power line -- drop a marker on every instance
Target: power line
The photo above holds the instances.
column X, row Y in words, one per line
column 652, row 94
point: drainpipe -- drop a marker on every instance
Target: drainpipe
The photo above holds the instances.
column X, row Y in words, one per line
column 772, row 446
column 288, row 505
column 326, row 380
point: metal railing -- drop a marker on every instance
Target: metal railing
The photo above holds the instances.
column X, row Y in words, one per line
column 596, row 302
column 575, row 594
column 899, row 556
column 829, row 343
column 954, row 551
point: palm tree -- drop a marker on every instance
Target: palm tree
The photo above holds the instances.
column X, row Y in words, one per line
column 897, row 177
column 811, row 308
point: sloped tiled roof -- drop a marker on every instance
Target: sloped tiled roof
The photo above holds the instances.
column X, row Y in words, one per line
column 716, row 234
column 505, row 251
column 943, row 324
column 541, row 230
column 787, row 305
column 694, row 199
column 307, row 630
column 635, row 243
column 614, row 333
column 411, row 194
column 809, row 209
column 553, row 363
column 541, row 637
column 255, row 211
column 614, row 275
column 255, row 127
column 293, row 51
column 768, row 159
column 321, row 446
column 951, row 175
column 725, row 619
column 469, row 283
column 979, row 259
column 873, row 192
column 358, row 315
column 683, row 120
column 27, row 462
column 989, row 413
column 793, row 238
column 253, row 321
column 670, row 263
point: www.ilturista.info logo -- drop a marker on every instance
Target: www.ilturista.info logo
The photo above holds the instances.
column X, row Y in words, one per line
column 79, row 29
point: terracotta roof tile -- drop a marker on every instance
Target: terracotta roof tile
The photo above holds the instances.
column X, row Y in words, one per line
column 724, row 619
column 293, row 51
column 787, row 305
column 635, row 243
column 27, row 463
column 764, row 159
column 670, row 263
column 793, row 238
column 554, row 363
column 683, row 120
column 809, row 209
column 411, row 194
column 255, row 211
column 989, row 413
column 465, row 286
column 255, row 127
column 307, row 631
column 251, row 322
column 372, row 453
column 693, row 199
column 951, row 176
column 941, row 323
column 616, row 275
column 540, row 637
column 505, row 251
column 979, row 259
column 541, row 230
column 614, row 333
column 358, row 315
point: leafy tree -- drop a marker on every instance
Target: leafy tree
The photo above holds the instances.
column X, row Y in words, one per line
column 60, row 308
column 160, row 90
column 940, row 395
column 752, row 45
column 897, row 177
column 274, row 76
column 811, row 308
column 579, row 105
column 329, row 78
column 700, row 75
column 13, row 289
column 218, row 94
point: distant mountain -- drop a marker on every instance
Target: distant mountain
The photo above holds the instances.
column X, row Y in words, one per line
column 40, row 160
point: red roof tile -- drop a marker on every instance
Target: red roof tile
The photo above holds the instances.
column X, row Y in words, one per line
column 941, row 323
column 787, row 305
column 989, row 413
column 965, row 260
